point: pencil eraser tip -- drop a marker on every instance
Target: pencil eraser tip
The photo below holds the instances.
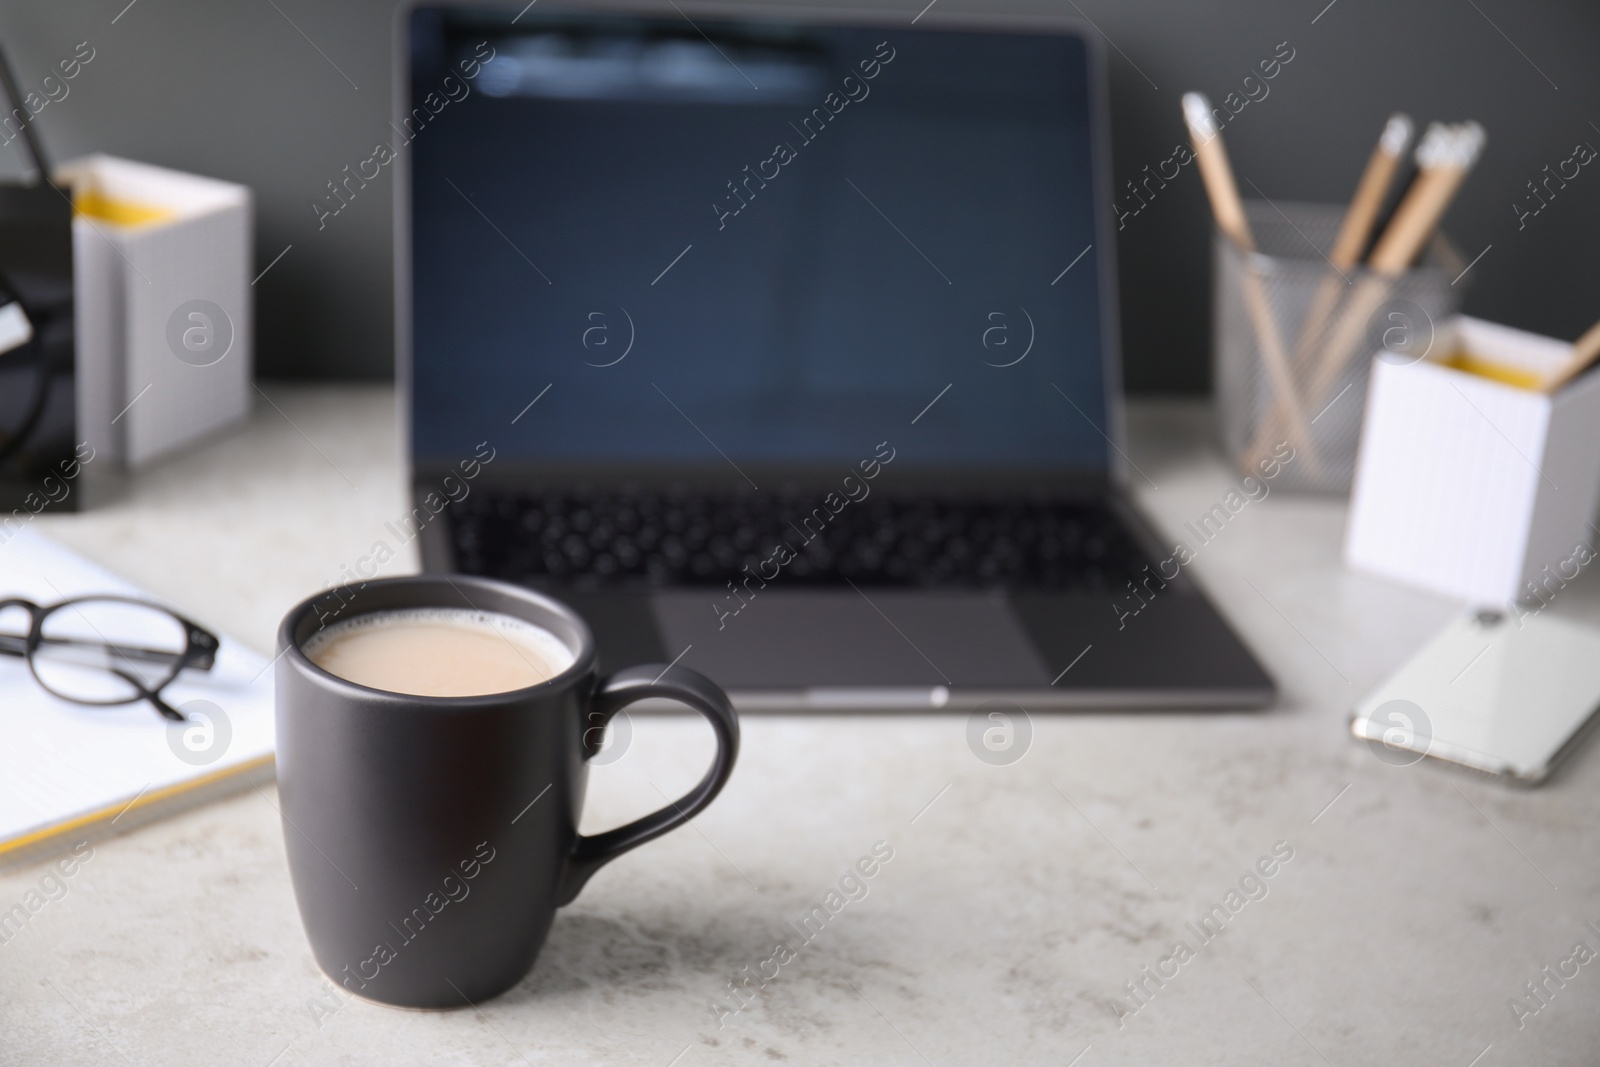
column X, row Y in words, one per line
column 1197, row 113
column 1397, row 133
column 1433, row 146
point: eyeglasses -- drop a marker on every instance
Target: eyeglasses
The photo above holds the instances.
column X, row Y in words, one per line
column 106, row 650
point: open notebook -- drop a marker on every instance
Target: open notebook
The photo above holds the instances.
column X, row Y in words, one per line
column 70, row 773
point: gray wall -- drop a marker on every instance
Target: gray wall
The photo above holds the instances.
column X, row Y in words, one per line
column 236, row 91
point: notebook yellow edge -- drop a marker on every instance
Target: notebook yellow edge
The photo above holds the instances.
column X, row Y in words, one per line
column 113, row 812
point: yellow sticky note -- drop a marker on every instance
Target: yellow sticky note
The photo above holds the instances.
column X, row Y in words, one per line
column 1519, row 377
column 96, row 205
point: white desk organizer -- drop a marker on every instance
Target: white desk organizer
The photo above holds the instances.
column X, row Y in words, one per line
column 163, row 310
column 1471, row 487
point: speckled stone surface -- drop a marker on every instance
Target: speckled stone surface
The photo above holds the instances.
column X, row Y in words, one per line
column 1019, row 900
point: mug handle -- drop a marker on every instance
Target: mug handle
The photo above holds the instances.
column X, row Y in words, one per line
column 625, row 687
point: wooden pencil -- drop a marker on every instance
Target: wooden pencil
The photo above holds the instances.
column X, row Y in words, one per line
column 1445, row 157
column 1585, row 350
column 1215, row 170
column 1217, row 174
column 1379, row 174
column 1355, row 230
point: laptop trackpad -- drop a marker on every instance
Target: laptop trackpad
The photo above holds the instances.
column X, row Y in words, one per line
column 809, row 639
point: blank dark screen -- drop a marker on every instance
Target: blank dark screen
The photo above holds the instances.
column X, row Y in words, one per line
column 780, row 243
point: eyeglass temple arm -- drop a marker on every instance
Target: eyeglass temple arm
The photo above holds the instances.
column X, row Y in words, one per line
column 201, row 659
column 166, row 710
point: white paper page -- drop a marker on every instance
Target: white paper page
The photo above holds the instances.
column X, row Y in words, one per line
column 59, row 760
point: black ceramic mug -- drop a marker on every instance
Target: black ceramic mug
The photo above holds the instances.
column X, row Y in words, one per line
column 431, row 839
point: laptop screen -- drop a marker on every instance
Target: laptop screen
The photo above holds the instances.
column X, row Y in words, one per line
column 650, row 240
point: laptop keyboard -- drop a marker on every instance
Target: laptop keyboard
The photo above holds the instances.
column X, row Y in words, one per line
column 682, row 538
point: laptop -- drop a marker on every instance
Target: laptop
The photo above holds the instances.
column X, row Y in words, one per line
column 782, row 345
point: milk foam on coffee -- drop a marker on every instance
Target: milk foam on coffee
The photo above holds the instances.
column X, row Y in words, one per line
column 439, row 652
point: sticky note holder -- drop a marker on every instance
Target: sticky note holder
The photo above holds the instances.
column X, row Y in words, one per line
column 1472, row 485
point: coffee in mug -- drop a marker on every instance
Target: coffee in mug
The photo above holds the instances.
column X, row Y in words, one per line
column 439, row 652
column 433, row 744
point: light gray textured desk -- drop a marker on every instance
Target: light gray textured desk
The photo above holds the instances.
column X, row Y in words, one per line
column 1020, row 899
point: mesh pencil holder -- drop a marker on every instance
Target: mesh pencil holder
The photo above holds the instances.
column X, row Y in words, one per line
column 1293, row 341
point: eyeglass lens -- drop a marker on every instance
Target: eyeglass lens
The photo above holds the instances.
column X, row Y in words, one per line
column 107, row 651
